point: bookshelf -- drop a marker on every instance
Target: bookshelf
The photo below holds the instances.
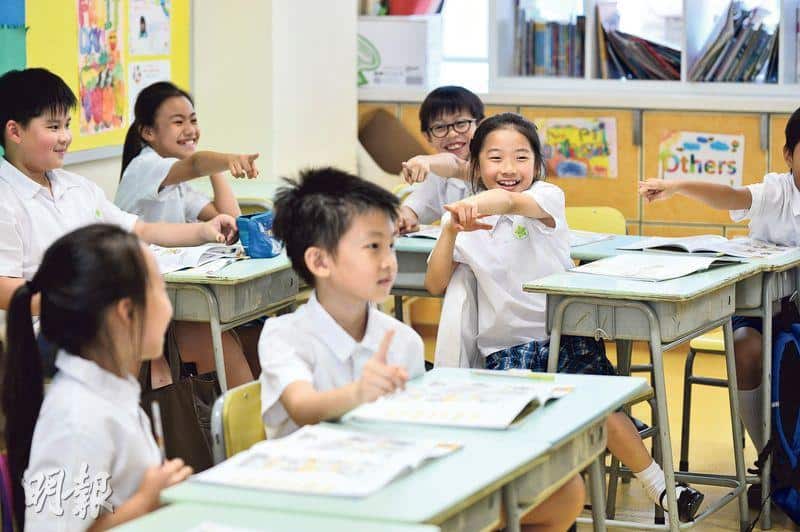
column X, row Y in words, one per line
column 695, row 26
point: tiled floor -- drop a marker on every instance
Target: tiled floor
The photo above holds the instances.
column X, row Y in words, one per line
column 710, row 448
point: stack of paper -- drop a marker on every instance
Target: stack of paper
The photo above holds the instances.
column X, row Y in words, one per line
column 325, row 461
column 178, row 258
column 647, row 267
column 480, row 403
column 712, row 244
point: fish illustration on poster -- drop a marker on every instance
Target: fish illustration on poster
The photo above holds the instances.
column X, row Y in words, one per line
column 101, row 75
column 713, row 157
column 576, row 147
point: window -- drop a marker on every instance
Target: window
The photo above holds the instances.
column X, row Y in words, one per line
column 465, row 44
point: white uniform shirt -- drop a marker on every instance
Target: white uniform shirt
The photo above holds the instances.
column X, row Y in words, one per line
column 775, row 211
column 308, row 345
column 517, row 250
column 31, row 218
column 428, row 198
column 140, row 191
column 89, row 416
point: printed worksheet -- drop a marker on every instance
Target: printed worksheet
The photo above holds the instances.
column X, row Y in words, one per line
column 325, row 461
column 480, row 403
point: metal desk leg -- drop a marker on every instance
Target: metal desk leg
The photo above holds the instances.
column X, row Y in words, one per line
column 596, row 495
column 216, row 334
column 665, row 444
column 733, row 394
column 766, row 388
column 511, row 507
column 398, row 308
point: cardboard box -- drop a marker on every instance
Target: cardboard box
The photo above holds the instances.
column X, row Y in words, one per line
column 399, row 51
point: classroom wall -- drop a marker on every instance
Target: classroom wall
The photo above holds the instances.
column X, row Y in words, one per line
column 278, row 78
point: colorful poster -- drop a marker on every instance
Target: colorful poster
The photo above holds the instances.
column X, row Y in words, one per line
column 149, row 27
column 101, row 76
column 713, row 157
column 580, row 147
column 140, row 75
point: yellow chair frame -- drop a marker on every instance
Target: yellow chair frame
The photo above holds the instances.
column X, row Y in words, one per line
column 236, row 423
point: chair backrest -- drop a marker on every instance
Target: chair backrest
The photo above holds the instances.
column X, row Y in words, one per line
column 236, row 422
column 597, row 219
column 456, row 346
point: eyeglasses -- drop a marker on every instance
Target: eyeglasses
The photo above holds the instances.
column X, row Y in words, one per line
column 459, row 126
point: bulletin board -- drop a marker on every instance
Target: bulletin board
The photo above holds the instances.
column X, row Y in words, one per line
column 104, row 50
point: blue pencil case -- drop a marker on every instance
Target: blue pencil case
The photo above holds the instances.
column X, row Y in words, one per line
column 255, row 232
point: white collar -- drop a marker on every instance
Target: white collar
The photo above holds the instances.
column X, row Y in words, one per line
column 335, row 337
column 124, row 392
column 27, row 188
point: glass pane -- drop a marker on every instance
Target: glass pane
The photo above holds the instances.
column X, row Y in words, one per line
column 659, row 21
column 549, row 11
column 465, row 29
column 471, row 75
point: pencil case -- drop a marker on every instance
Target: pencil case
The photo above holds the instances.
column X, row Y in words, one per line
column 255, row 232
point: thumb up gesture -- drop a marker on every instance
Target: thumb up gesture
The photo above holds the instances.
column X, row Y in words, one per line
column 378, row 376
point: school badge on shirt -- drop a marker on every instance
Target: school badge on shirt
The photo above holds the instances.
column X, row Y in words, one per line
column 520, row 232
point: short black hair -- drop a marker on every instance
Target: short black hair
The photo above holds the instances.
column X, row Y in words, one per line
column 792, row 131
column 448, row 99
column 27, row 94
column 319, row 208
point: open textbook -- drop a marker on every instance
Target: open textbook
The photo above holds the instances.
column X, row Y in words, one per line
column 712, row 244
column 649, row 266
column 322, row 460
column 426, row 231
column 480, row 403
column 178, row 258
column 576, row 238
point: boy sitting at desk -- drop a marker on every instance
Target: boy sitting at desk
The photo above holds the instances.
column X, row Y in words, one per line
column 339, row 351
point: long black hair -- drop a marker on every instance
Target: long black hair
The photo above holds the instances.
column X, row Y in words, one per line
column 504, row 121
column 81, row 275
column 144, row 115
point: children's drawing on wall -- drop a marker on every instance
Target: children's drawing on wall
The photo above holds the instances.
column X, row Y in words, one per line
column 142, row 74
column 713, row 157
column 101, row 76
column 580, row 147
column 149, row 27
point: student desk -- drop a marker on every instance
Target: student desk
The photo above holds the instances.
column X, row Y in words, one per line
column 665, row 314
column 188, row 517
column 240, row 292
column 777, row 278
column 252, row 194
column 463, row 491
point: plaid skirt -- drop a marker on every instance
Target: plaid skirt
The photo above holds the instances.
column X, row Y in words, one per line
column 577, row 354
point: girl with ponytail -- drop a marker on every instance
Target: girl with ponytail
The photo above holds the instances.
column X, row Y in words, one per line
column 160, row 157
column 89, row 424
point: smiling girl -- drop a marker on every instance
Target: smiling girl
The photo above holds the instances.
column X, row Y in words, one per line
column 512, row 232
column 160, row 156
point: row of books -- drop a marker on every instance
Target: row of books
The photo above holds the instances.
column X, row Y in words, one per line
column 738, row 48
column 622, row 55
column 548, row 48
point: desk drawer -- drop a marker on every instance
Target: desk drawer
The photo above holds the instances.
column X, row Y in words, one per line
column 411, row 268
column 560, row 464
column 259, row 293
column 481, row 515
column 676, row 319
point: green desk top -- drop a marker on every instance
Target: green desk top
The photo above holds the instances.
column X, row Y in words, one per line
column 253, row 190
column 185, row 517
column 681, row 289
column 234, row 273
column 407, row 244
column 440, row 489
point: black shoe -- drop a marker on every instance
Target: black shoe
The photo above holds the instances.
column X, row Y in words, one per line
column 689, row 502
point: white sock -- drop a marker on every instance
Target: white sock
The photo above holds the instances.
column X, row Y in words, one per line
column 750, row 412
column 654, row 482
